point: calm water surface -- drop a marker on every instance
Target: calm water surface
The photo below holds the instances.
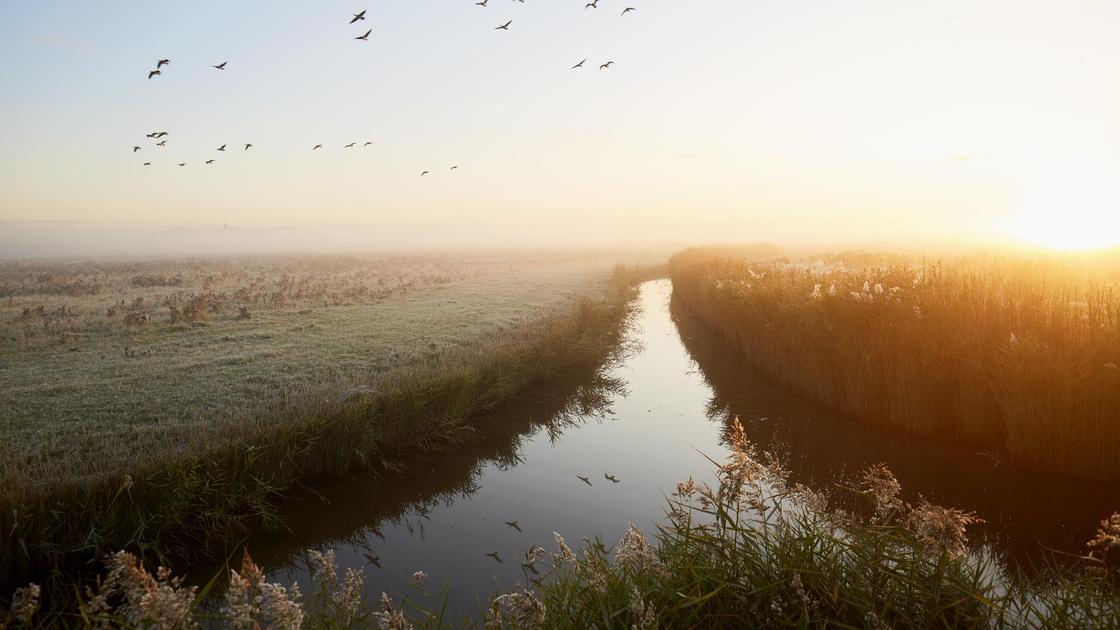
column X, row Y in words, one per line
column 649, row 420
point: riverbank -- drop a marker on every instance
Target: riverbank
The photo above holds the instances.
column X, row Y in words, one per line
column 749, row 550
column 1014, row 357
column 201, row 502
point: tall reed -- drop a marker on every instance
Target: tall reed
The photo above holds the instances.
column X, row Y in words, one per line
column 1008, row 355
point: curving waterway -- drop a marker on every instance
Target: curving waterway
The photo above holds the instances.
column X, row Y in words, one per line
column 650, row 419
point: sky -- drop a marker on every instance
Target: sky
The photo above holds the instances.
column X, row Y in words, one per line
column 795, row 121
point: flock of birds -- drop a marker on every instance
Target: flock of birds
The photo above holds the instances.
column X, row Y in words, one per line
column 160, row 136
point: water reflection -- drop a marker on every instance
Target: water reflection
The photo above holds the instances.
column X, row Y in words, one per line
column 1023, row 512
column 649, row 420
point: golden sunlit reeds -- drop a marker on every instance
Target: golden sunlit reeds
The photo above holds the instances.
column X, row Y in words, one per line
column 1015, row 356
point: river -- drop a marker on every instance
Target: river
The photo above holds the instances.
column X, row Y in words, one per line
column 649, row 419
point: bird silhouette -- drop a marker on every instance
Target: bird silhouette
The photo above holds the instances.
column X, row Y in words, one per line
column 359, row 16
column 318, row 146
column 157, row 134
column 162, row 62
column 182, row 163
column 453, row 167
column 627, row 10
column 135, row 149
column 221, row 66
column 368, row 142
column 209, row 161
column 594, row 4
column 222, row 148
column 350, row 146
column 514, row 525
column 248, row 146
column 365, row 37
column 579, row 65
column 503, row 27
column 154, row 73
column 147, row 163
column 606, row 65
column 584, row 479
column 374, row 560
column 161, row 143
column 494, row 555
column 424, row 173
column 482, row 3
column 611, row 478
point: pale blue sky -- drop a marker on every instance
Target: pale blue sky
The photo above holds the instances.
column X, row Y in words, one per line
column 791, row 120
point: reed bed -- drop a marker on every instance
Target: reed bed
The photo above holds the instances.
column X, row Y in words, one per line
column 1015, row 356
column 202, row 500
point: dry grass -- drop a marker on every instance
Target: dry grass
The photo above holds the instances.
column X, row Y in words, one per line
column 1014, row 355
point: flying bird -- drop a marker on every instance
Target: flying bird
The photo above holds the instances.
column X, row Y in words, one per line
column 374, row 560
column 161, row 143
column 182, row 163
column 503, row 27
column 209, row 161
column 627, row 10
column 248, row 146
column 594, row 4
column 154, row 73
column 318, row 146
column 483, row 3
column 221, row 66
column 147, row 163
column 359, row 16
column 162, row 63
column 584, row 479
column 454, row 167
column 365, row 37
column 514, row 525
column 611, row 478
column 135, row 149
column 222, row 148
column 424, row 173
column 494, row 555
column 350, row 146
column 367, row 143
column 579, row 65
column 606, row 65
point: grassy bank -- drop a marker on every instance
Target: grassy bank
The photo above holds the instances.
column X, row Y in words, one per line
column 201, row 497
column 750, row 551
column 1018, row 357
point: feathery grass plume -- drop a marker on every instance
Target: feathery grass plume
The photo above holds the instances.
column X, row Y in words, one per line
column 564, row 556
column 253, row 602
column 1105, row 545
column 25, row 603
column 342, row 600
column 642, row 612
column 941, row 529
column 634, row 553
column 146, row 600
column 521, row 609
column 880, row 484
column 390, row 618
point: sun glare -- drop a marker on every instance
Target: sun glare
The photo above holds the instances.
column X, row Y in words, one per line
column 1072, row 206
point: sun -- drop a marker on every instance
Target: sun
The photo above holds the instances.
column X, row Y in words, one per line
column 1071, row 206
